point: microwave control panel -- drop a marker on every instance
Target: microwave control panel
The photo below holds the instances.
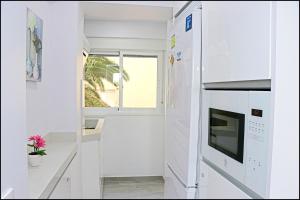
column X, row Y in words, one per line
column 256, row 130
column 257, row 145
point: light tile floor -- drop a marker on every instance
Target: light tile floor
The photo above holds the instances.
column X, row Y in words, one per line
column 133, row 188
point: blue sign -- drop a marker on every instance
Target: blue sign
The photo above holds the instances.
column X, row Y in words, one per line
column 188, row 23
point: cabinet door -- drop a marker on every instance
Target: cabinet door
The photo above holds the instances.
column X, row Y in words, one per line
column 69, row 186
column 237, row 40
column 62, row 189
column 212, row 185
column 90, row 170
column 173, row 188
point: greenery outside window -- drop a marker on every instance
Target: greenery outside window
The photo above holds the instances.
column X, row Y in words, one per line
column 122, row 81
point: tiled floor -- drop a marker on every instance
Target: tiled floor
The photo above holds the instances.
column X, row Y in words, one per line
column 133, row 188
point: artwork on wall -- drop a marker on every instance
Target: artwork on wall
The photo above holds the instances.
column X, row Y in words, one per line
column 34, row 37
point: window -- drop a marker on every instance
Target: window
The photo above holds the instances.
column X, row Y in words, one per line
column 141, row 88
column 101, row 81
column 122, row 80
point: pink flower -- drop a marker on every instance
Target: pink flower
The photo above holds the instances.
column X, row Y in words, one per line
column 38, row 141
column 31, row 138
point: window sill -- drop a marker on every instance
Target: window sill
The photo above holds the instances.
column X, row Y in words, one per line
column 100, row 112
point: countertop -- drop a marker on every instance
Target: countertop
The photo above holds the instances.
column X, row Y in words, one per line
column 93, row 134
column 61, row 149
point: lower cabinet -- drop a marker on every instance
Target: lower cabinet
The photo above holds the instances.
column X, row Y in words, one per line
column 90, row 170
column 81, row 179
column 173, row 188
column 62, row 189
column 213, row 185
column 68, row 187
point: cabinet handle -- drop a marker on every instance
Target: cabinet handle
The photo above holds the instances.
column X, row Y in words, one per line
column 68, row 179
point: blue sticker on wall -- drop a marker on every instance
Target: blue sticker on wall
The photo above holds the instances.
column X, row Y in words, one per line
column 188, row 23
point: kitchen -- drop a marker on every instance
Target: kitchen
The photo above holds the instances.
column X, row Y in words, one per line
column 197, row 100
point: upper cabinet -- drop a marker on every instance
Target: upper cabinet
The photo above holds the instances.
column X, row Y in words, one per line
column 236, row 41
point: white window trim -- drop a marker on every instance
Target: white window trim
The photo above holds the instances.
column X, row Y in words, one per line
column 97, row 111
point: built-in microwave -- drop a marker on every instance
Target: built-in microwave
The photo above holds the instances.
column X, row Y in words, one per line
column 226, row 132
column 235, row 135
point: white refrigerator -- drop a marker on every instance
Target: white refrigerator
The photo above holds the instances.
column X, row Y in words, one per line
column 183, row 103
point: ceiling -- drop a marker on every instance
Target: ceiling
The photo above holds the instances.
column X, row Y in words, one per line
column 127, row 11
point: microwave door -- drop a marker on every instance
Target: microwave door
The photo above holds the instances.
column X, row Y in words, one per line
column 226, row 132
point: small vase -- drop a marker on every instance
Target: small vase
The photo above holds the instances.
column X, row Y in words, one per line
column 35, row 160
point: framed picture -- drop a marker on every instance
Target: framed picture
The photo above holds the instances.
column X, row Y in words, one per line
column 34, row 35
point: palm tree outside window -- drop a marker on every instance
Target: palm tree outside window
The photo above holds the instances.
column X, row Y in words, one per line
column 112, row 82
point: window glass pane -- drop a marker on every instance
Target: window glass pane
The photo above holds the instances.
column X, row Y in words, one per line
column 139, row 91
column 101, row 81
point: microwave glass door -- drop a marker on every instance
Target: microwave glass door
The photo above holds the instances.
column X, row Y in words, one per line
column 226, row 132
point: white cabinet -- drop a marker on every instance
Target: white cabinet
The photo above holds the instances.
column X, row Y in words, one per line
column 173, row 188
column 236, row 40
column 62, row 189
column 68, row 186
column 90, row 169
column 212, row 185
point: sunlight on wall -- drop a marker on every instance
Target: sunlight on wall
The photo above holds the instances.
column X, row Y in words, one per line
column 140, row 90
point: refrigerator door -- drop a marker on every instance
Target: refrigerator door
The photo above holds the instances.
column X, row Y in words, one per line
column 174, row 189
column 182, row 111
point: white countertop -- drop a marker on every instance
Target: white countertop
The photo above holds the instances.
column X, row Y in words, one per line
column 93, row 134
column 42, row 179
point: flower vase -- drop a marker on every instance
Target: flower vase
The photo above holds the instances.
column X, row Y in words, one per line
column 35, row 160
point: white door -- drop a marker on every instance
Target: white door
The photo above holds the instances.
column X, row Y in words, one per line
column 237, row 40
column 63, row 188
column 182, row 112
column 174, row 189
column 213, row 185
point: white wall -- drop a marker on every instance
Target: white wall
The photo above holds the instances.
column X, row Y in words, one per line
column 98, row 10
column 86, row 44
column 177, row 6
column 77, row 184
column 137, row 35
column 144, row 3
column 285, row 154
column 126, row 44
column 125, row 29
column 133, row 146
column 54, row 104
column 64, row 84
column 51, row 103
column 13, row 128
column 37, row 92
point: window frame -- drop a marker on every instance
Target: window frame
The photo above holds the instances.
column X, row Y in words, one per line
column 100, row 111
